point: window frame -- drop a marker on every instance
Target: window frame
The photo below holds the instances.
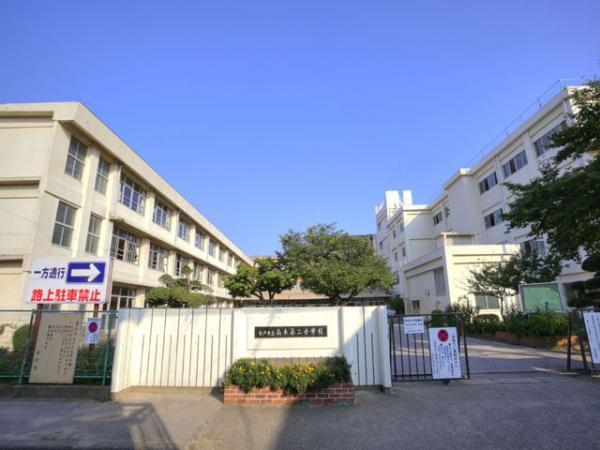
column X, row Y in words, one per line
column 185, row 226
column 76, row 156
column 137, row 195
column 101, row 177
column 93, row 235
column 130, row 253
column 438, row 218
column 488, row 183
column 514, row 164
column 62, row 224
column 492, row 219
column 439, row 282
column 161, row 211
column 158, row 256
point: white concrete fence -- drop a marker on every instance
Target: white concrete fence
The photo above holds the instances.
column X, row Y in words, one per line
column 194, row 347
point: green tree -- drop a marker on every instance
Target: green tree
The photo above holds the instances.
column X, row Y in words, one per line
column 177, row 292
column 265, row 279
column 333, row 263
column 502, row 280
column 565, row 205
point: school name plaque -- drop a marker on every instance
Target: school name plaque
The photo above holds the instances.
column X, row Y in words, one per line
column 290, row 331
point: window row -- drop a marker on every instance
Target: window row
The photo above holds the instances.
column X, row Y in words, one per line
column 133, row 196
column 492, row 219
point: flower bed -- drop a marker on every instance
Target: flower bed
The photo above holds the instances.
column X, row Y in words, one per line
column 327, row 381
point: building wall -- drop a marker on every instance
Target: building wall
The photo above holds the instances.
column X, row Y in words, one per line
column 34, row 146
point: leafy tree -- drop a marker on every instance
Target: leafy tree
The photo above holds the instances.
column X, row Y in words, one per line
column 502, row 279
column 177, row 292
column 333, row 263
column 267, row 278
column 565, row 205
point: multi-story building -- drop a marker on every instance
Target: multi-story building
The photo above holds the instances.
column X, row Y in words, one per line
column 432, row 247
column 70, row 187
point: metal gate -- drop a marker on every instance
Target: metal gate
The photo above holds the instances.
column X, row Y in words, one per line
column 410, row 354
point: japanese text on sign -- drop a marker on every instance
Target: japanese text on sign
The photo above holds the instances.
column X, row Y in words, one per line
column 592, row 327
column 290, row 331
column 445, row 357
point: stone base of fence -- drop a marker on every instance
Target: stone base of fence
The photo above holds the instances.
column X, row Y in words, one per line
column 340, row 394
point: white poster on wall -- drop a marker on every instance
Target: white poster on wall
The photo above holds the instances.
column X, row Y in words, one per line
column 592, row 326
column 414, row 325
column 445, row 356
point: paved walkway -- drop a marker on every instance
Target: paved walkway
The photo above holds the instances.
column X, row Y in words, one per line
column 500, row 411
column 486, row 356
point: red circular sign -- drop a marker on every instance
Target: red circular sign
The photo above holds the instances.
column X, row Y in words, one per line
column 93, row 327
column 443, row 335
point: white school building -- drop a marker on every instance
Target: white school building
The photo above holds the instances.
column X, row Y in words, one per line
column 432, row 247
column 69, row 186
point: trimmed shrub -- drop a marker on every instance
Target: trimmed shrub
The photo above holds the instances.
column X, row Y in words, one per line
column 293, row 379
column 20, row 339
column 486, row 324
column 541, row 323
column 397, row 304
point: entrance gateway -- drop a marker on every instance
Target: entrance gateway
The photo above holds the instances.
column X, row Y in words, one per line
column 428, row 347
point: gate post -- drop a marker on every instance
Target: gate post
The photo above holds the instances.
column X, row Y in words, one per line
column 384, row 348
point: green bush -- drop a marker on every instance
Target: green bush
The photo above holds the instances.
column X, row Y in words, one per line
column 20, row 339
column 485, row 324
column 540, row 323
column 397, row 304
column 468, row 312
column 293, row 379
column 436, row 318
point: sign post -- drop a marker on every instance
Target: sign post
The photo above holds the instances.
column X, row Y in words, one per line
column 592, row 326
column 445, row 356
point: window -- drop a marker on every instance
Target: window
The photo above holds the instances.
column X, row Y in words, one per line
column 493, row 218
column 211, row 247
column 487, row 302
column 229, row 259
column 132, row 194
column 395, row 256
column 381, row 246
column 514, row 164
column 162, row 214
column 536, row 246
column 93, row 236
column 197, row 273
column 378, row 226
column 180, row 264
column 394, row 233
column 404, row 252
column 209, row 277
column 396, row 278
column 221, row 280
column 63, row 225
column 440, row 281
column 401, row 227
column 102, row 176
column 158, row 258
column 183, row 230
column 416, row 307
column 543, row 144
column 438, row 217
column 199, row 239
column 446, row 211
column 221, row 254
column 75, row 158
column 125, row 246
column 488, row 182
column 121, row 297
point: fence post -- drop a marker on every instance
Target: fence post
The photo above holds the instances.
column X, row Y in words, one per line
column 26, row 350
column 107, row 347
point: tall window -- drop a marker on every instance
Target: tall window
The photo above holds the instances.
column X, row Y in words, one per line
column 439, row 281
column 132, row 194
column 514, row 164
column 180, row 264
column 199, row 239
column 401, row 227
column 162, row 214
column 93, row 236
column 394, row 233
column 493, row 218
column 75, row 158
column 197, row 273
column 438, row 217
column 543, row 144
column 229, row 259
column 102, row 176
column 63, row 225
column 395, row 256
column 121, row 297
column 404, row 252
column 211, row 247
column 488, row 182
column 221, row 254
column 158, row 258
column 183, row 229
column 221, row 280
column 125, row 246
column 209, row 277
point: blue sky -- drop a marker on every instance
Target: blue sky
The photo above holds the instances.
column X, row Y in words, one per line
column 271, row 115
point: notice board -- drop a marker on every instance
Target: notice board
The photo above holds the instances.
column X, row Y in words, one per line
column 56, row 348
